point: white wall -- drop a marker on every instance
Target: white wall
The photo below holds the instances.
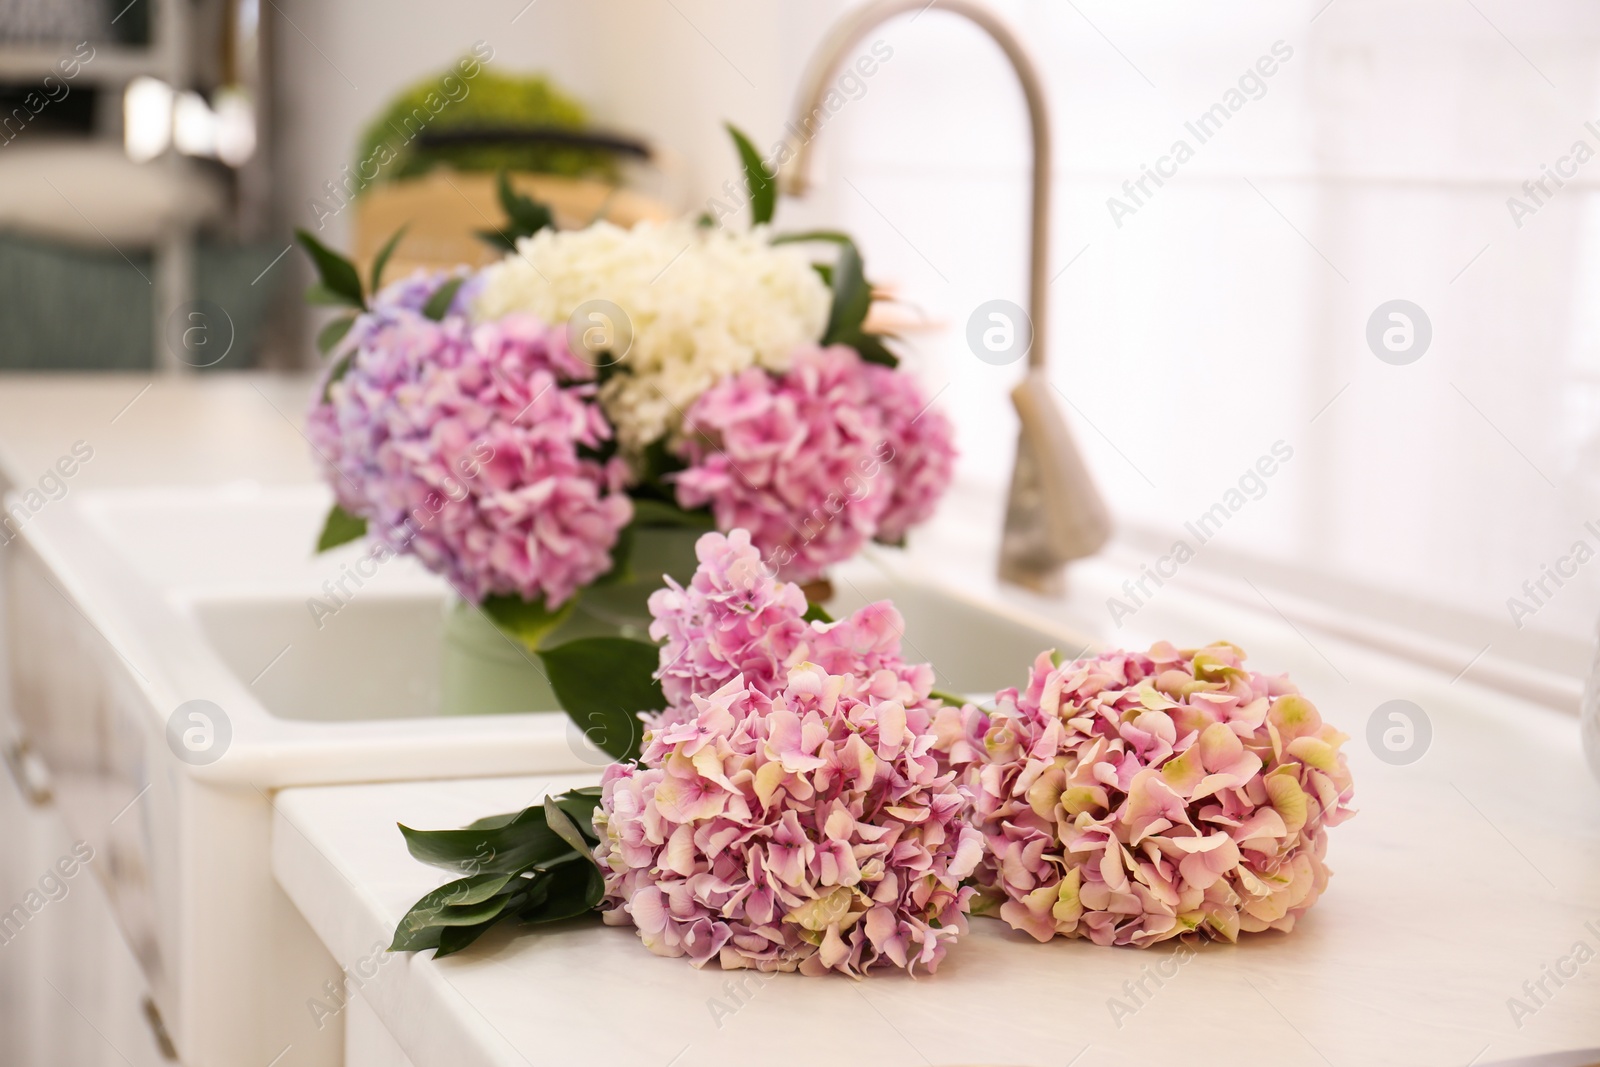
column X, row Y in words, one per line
column 672, row 72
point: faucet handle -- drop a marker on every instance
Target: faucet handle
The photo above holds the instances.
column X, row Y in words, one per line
column 1054, row 513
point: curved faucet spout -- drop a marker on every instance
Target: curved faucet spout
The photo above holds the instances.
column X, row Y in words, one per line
column 1054, row 513
column 846, row 34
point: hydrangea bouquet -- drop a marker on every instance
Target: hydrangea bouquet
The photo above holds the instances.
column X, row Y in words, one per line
column 803, row 801
column 521, row 429
column 787, row 811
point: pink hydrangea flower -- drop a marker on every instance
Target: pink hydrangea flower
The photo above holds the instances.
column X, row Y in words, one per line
column 810, row 829
column 462, row 447
column 1135, row 797
column 789, row 810
column 735, row 618
column 816, row 461
column 921, row 441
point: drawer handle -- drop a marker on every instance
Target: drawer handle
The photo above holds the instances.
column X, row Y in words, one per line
column 29, row 772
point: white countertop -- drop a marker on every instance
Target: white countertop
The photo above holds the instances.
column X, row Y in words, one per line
column 181, row 430
column 1463, row 876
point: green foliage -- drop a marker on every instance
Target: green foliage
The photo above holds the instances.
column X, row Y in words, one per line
column 494, row 101
column 330, row 335
column 654, row 464
column 341, row 368
column 338, row 281
column 651, row 512
column 382, row 259
column 339, row 528
column 438, row 304
column 835, row 236
column 852, row 296
column 525, row 217
column 338, row 285
column 816, row 613
column 527, row 622
column 761, row 183
column 603, row 683
column 535, row 865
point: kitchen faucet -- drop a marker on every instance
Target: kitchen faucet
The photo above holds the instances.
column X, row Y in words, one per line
column 1054, row 514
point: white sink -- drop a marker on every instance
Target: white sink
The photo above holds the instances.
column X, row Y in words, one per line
column 125, row 604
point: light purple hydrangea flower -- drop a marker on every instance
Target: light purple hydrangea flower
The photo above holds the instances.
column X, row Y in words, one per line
column 1135, row 797
column 795, row 816
column 462, row 447
column 413, row 292
column 816, row 461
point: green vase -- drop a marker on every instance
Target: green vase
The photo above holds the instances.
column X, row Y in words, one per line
column 486, row 672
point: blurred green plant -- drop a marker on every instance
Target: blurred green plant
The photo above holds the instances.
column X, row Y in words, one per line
column 493, row 102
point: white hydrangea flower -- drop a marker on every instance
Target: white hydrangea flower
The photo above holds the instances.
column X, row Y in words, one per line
column 703, row 304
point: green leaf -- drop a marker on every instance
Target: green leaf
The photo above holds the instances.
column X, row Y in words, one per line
column 527, row 215
column 464, row 902
column 472, row 890
column 438, row 304
column 446, row 905
column 338, row 274
column 496, row 822
column 621, row 558
column 761, row 182
column 851, row 297
column 655, row 463
column 453, row 939
column 651, row 512
column 561, row 823
column 412, row 934
column 320, row 295
column 603, row 683
column 536, row 864
column 524, row 621
column 491, row 907
column 496, row 240
column 579, row 804
column 873, row 350
column 340, row 527
column 340, row 369
column 816, row 613
column 333, row 333
column 472, row 852
column 572, row 891
column 383, row 259
column 838, row 237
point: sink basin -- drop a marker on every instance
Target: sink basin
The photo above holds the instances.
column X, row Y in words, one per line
column 379, row 659
column 125, row 605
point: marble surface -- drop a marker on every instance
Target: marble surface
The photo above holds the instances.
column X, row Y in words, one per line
column 1467, row 873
